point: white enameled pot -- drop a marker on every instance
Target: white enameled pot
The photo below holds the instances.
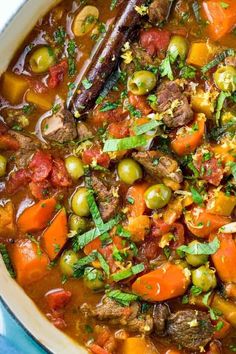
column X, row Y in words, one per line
column 17, row 17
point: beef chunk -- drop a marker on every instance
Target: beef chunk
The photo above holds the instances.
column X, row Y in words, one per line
column 83, row 131
column 231, row 61
column 190, row 329
column 158, row 165
column 107, row 202
column 28, row 145
column 130, row 317
column 161, row 313
column 60, row 127
column 158, row 11
column 173, row 105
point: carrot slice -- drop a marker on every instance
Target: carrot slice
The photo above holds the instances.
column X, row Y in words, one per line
column 55, row 237
column 135, row 197
column 164, row 283
column 138, row 345
column 30, row 263
column 139, row 226
column 96, row 349
column 201, row 223
column 189, row 138
column 222, row 19
column 224, row 258
column 36, row 217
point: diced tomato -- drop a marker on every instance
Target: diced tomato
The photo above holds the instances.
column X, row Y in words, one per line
column 95, row 154
column 40, row 166
column 160, row 228
column 57, row 73
column 96, row 349
column 210, row 170
column 8, row 142
column 59, row 175
column 119, row 130
column 140, row 103
column 57, row 299
column 17, row 180
column 154, row 40
column 39, row 190
column 115, row 115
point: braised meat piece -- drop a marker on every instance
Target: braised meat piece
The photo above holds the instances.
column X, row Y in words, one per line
column 158, row 165
column 60, row 127
column 83, row 131
column 173, row 105
column 161, row 313
column 130, row 317
column 158, row 11
column 107, row 202
column 28, row 144
column 190, row 329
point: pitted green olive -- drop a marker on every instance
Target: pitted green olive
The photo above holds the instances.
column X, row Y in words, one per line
column 129, row 171
column 67, row 262
column 79, row 202
column 93, row 279
column 157, row 196
column 142, row 82
column 204, row 278
column 196, row 260
column 74, row 167
column 178, row 47
column 225, row 78
column 41, row 59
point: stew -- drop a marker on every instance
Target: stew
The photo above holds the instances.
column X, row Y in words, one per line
column 118, row 173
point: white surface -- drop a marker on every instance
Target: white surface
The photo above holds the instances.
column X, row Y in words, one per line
column 7, row 9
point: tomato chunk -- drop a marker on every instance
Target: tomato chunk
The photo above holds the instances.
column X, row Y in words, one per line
column 59, row 174
column 57, row 299
column 119, row 130
column 40, row 166
column 57, row 73
column 17, row 180
column 155, row 40
column 95, row 154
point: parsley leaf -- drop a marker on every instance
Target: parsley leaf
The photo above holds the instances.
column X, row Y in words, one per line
column 6, row 260
column 201, row 248
column 197, row 198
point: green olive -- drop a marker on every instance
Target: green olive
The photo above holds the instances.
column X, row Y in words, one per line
column 204, row 278
column 178, row 47
column 78, row 224
column 41, row 59
column 74, row 167
column 3, row 165
column 157, row 196
column 196, row 260
column 129, row 171
column 67, row 262
column 93, row 279
column 225, row 78
column 79, row 202
column 142, row 82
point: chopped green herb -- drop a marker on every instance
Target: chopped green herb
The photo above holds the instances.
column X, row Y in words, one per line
column 185, row 300
column 197, row 198
column 122, row 298
column 113, row 4
column 60, row 35
column 6, row 260
column 165, row 68
column 201, row 248
column 195, row 290
column 131, row 142
column 130, row 200
column 188, row 72
column 104, row 264
column 109, row 106
column 219, row 326
column 94, row 209
column 224, row 5
column 134, row 112
column 196, row 11
column 217, row 60
column 126, row 273
column 220, row 103
column 87, row 84
column 122, row 232
column 144, row 128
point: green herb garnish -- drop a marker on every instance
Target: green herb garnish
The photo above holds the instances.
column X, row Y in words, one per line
column 131, row 142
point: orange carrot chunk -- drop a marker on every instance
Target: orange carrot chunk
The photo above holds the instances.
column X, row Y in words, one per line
column 222, row 19
column 201, row 223
column 55, row 237
column 225, row 257
column 135, row 198
column 190, row 137
column 36, row 217
column 162, row 284
column 29, row 262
